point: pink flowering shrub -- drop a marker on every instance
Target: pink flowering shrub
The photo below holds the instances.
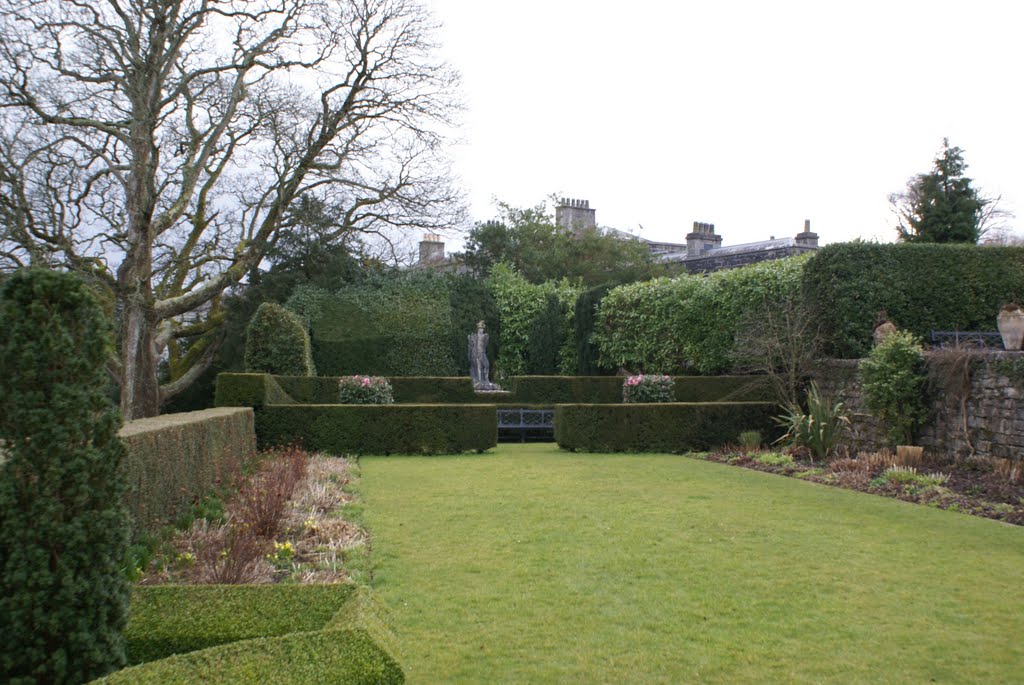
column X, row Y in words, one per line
column 364, row 390
column 649, row 388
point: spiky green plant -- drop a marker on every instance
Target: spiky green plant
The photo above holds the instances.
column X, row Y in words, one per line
column 820, row 428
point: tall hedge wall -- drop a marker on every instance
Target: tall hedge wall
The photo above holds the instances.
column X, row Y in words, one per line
column 691, row 322
column 922, row 287
column 584, row 323
column 380, row 429
column 522, row 306
column 674, row 427
column 399, row 326
column 176, row 458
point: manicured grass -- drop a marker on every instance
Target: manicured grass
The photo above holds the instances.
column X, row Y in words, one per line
column 531, row 565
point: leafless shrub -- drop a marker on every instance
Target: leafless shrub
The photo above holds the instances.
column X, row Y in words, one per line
column 228, row 554
column 852, row 479
column 779, row 339
column 949, row 375
column 262, row 501
column 909, row 456
column 1010, row 470
column 865, row 462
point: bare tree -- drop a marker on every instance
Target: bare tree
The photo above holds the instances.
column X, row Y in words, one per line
column 156, row 145
column 780, row 340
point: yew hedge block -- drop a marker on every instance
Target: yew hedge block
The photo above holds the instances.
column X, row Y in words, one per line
column 667, row 427
column 174, row 459
column 380, row 428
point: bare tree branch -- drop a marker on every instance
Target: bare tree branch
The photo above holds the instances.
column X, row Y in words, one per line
column 157, row 145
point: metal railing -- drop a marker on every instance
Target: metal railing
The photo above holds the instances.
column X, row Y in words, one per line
column 988, row 340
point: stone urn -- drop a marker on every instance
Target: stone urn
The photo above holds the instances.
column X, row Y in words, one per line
column 1011, row 326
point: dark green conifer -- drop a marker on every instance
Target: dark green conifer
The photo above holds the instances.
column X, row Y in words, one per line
column 941, row 206
column 63, row 524
column 276, row 342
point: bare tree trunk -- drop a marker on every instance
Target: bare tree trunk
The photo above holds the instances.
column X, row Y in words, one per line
column 140, row 389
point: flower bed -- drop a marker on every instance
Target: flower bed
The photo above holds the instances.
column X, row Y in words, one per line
column 980, row 486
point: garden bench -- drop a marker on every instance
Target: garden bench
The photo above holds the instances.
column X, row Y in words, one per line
column 978, row 339
column 526, row 424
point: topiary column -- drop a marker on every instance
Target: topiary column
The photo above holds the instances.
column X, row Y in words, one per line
column 63, row 524
column 276, row 342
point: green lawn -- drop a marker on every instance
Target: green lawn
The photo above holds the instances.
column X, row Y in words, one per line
column 529, row 564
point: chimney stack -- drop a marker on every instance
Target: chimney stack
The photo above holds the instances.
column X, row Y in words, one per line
column 431, row 249
column 701, row 239
column 807, row 239
column 575, row 215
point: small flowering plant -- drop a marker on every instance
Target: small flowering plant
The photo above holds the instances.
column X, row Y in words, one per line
column 649, row 388
column 364, row 390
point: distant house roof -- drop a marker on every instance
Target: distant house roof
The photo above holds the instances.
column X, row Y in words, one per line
column 760, row 246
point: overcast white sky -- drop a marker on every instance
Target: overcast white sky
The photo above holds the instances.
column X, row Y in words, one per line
column 750, row 115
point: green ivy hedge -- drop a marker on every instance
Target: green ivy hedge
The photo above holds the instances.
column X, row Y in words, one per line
column 174, row 459
column 922, row 287
column 528, row 311
column 380, row 429
column 675, row 427
column 584, row 323
column 691, row 322
column 174, row 619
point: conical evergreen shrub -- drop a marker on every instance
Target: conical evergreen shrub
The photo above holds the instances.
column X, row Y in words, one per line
column 63, row 524
column 276, row 342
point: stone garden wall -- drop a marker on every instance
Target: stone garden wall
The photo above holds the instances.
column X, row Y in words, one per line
column 987, row 420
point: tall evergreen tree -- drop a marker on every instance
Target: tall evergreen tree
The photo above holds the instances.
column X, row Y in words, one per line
column 941, row 206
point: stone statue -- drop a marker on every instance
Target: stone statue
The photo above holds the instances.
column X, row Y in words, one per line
column 479, row 367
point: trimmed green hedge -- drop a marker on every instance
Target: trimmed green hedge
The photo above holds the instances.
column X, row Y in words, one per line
column 608, row 389
column 238, row 389
column 406, row 389
column 339, row 657
column 675, row 427
column 174, row 459
column 173, row 619
column 922, row 287
column 380, row 429
column 253, row 389
column 722, row 389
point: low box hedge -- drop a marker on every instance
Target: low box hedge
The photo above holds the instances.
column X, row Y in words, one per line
column 722, row 389
column 406, row 389
column 670, row 427
column 608, row 389
column 380, row 428
column 251, row 390
column 173, row 619
column 174, row 459
column 559, row 389
column 339, row 657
